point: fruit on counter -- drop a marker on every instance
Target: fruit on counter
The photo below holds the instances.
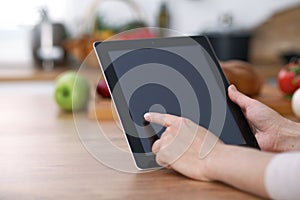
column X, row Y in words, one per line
column 243, row 75
column 289, row 78
column 72, row 91
column 296, row 103
column 102, row 89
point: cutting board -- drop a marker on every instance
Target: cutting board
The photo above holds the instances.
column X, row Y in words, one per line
column 103, row 109
column 274, row 98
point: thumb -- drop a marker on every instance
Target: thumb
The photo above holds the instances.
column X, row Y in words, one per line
column 239, row 98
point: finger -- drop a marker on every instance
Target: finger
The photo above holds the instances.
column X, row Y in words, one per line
column 239, row 98
column 165, row 120
column 160, row 161
column 157, row 150
column 156, row 146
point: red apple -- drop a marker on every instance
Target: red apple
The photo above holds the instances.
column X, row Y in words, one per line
column 102, row 89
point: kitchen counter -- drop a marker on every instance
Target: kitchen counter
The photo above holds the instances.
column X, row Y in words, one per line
column 29, row 74
column 42, row 157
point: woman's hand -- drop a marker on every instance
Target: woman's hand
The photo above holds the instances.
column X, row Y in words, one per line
column 272, row 131
column 182, row 145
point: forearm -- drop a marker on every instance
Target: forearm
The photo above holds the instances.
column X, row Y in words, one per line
column 242, row 168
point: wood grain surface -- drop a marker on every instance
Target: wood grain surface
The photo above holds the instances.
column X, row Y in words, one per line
column 42, row 157
column 274, row 98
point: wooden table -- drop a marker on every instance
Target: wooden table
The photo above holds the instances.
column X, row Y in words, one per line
column 42, row 157
column 30, row 73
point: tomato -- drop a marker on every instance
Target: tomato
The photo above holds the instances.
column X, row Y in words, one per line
column 289, row 78
column 286, row 81
column 298, row 81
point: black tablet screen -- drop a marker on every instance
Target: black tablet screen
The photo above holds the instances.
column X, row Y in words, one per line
column 178, row 80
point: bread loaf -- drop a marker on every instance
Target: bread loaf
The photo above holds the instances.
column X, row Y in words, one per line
column 243, row 76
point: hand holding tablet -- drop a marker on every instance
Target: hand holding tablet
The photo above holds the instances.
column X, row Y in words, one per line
column 179, row 76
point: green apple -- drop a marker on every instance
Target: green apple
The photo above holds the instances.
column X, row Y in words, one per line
column 72, row 91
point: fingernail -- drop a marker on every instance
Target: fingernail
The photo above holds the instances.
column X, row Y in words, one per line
column 233, row 88
column 147, row 117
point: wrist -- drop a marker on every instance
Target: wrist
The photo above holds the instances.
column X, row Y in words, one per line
column 213, row 161
column 240, row 167
column 289, row 137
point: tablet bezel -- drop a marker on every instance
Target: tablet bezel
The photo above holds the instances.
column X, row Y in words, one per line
column 146, row 160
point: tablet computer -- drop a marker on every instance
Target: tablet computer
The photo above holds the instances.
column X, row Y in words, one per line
column 176, row 75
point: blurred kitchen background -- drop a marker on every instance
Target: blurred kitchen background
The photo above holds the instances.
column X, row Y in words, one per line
column 261, row 32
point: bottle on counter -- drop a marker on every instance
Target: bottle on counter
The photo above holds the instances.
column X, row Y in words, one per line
column 163, row 19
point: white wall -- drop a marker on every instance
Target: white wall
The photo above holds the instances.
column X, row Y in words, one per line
column 188, row 16
column 193, row 16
